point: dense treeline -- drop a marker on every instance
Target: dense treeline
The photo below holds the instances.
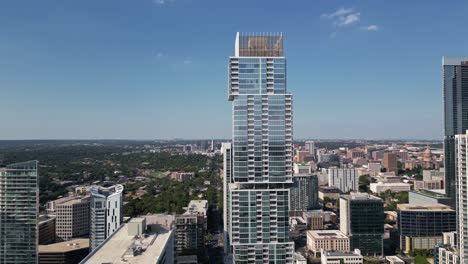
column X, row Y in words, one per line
column 86, row 163
column 166, row 196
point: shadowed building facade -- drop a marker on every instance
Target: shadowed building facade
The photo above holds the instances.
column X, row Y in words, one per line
column 362, row 219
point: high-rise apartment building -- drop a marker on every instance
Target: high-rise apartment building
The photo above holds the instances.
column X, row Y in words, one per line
column 461, row 171
column 106, row 213
column 262, row 165
column 72, row 217
column 19, row 207
column 310, row 146
column 191, row 227
column 390, row 162
column 455, row 86
column 345, row 179
column 362, row 219
column 304, row 192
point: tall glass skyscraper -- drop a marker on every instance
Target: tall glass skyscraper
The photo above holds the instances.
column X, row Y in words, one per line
column 455, row 86
column 19, row 200
column 262, row 166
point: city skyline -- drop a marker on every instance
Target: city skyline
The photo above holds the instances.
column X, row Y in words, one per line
column 130, row 65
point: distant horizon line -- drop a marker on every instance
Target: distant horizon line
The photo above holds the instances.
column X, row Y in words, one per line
column 221, row 139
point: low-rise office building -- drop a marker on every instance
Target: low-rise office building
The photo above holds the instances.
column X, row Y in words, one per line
column 329, row 192
column 329, row 240
column 422, row 226
column 380, row 187
column 67, row 252
column 334, row 257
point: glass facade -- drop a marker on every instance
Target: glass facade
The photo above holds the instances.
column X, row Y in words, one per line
column 18, row 213
column 261, row 151
column 262, row 132
column 424, row 223
column 455, row 87
column 362, row 218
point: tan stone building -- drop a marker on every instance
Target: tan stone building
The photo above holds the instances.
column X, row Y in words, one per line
column 72, row 217
column 329, row 240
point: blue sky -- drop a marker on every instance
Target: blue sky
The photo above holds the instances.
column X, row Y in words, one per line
column 146, row 69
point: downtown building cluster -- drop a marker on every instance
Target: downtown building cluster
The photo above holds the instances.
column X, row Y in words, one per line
column 273, row 190
column 88, row 226
column 261, row 149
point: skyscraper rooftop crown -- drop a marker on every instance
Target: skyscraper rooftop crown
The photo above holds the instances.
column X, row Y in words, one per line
column 259, row 45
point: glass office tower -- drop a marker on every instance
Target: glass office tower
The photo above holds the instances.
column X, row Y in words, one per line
column 261, row 151
column 455, row 86
column 19, row 196
column 362, row 220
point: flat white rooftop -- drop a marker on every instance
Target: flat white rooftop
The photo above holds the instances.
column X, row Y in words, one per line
column 199, row 207
column 326, row 234
column 118, row 249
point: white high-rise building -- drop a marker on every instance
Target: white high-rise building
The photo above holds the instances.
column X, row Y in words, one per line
column 461, row 173
column 310, row 146
column 106, row 213
column 262, row 164
column 345, row 179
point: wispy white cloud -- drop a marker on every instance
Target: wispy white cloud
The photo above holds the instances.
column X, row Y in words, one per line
column 159, row 55
column 371, row 28
column 333, row 34
column 343, row 16
column 340, row 12
column 348, row 19
column 187, row 61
